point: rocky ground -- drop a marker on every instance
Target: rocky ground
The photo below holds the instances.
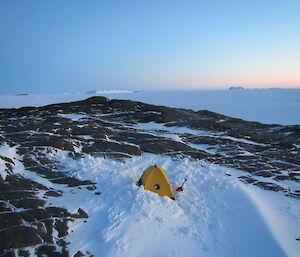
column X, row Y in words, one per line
column 268, row 156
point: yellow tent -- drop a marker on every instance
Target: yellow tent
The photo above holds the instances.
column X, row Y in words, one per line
column 155, row 180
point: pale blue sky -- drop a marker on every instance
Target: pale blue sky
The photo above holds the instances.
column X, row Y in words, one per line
column 56, row 46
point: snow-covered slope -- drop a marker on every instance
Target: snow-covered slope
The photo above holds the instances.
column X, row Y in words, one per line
column 216, row 215
column 72, row 169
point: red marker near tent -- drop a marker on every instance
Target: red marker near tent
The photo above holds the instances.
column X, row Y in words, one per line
column 180, row 189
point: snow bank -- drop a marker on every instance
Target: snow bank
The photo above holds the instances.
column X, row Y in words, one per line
column 214, row 216
column 281, row 214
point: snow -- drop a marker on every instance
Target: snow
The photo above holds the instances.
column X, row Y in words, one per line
column 10, row 152
column 281, row 216
column 263, row 105
column 3, row 173
column 216, row 215
column 158, row 128
column 74, row 116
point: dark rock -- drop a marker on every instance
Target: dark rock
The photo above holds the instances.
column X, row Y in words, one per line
column 62, row 242
column 269, row 186
column 14, row 195
column 28, row 203
column 6, row 159
column 106, row 146
column 33, row 215
column 42, row 231
column 55, row 142
column 25, row 188
column 112, row 155
column 23, row 253
column 78, row 254
column 9, row 219
column 160, row 146
column 53, row 193
column 293, row 194
column 247, row 179
column 61, row 225
column 47, row 250
column 71, row 181
column 281, row 177
column 264, row 173
column 57, row 212
column 8, row 254
column 91, row 188
column 81, row 214
column 49, row 228
column 29, row 162
column 19, row 236
column 47, row 172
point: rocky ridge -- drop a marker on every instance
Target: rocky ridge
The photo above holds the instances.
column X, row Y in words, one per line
column 268, row 156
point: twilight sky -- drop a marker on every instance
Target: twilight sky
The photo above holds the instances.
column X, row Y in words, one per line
column 56, row 46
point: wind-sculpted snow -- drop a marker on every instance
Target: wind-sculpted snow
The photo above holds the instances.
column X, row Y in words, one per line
column 69, row 171
column 200, row 222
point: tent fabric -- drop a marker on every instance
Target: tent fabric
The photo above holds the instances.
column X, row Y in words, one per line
column 155, row 180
